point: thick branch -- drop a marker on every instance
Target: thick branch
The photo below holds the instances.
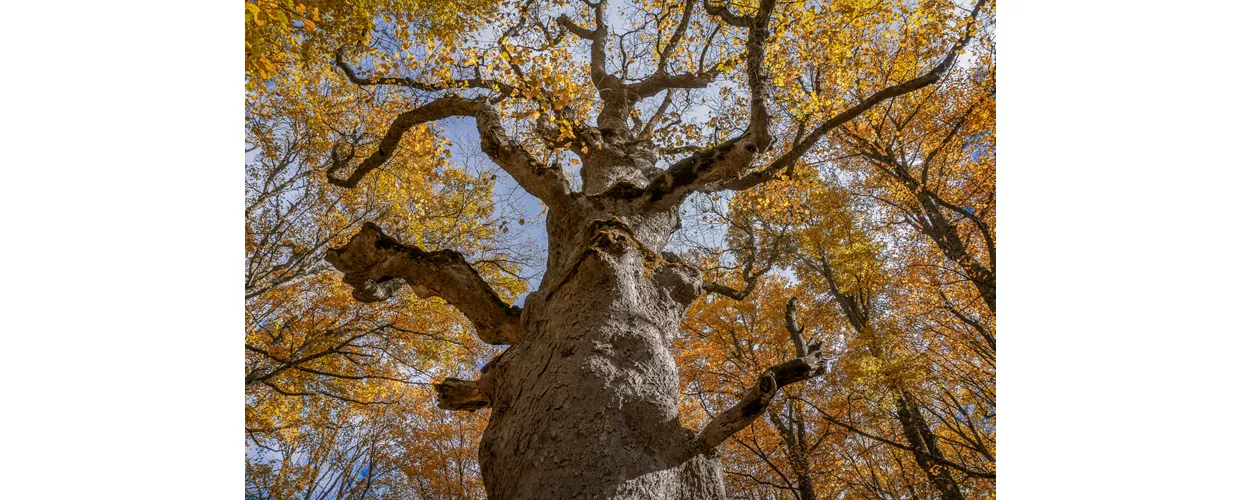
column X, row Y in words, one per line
column 755, row 401
column 545, row 183
column 854, row 305
column 457, row 394
column 787, row 160
column 725, row 15
column 727, row 291
column 727, row 161
column 375, row 264
column 574, row 28
column 661, row 81
column 794, row 330
column 597, row 38
column 473, row 83
column 437, row 109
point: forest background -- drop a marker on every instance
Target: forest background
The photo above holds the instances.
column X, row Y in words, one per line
column 1117, row 225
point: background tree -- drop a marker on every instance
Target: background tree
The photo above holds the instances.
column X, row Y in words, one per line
column 336, row 391
column 908, row 395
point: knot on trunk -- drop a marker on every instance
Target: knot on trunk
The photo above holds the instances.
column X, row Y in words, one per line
column 683, row 283
column 614, row 236
column 457, row 394
column 368, row 291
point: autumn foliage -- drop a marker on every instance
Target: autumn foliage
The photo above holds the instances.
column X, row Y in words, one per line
column 876, row 239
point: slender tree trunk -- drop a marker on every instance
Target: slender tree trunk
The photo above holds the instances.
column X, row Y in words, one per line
column 793, row 434
column 923, row 439
column 586, row 405
column 917, row 432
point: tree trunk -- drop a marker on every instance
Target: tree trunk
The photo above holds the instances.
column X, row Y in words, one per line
column 921, row 438
column 585, row 401
column 586, row 404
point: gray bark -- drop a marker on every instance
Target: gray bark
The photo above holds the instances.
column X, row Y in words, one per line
column 584, row 404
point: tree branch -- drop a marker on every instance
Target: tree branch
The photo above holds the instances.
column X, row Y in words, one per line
column 893, row 444
column 376, row 265
column 726, row 161
column 748, row 275
column 544, row 182
column 437, row 109
column 789, row 158
column 660, row 81
column 597, row 38
column 473, row 83
column 676, row 37
column 794, row 330
column 722, row 12
column 756, row 400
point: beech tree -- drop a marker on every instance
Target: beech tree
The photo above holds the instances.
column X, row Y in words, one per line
column 905, row 408
column 613, row 117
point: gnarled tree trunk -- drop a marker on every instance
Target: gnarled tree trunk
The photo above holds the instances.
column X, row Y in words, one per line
column 584, row 402
column 585, row 406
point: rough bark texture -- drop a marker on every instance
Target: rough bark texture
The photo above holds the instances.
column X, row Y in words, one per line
column 584, row 404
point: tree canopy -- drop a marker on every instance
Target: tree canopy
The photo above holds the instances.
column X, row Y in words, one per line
column 833, row 167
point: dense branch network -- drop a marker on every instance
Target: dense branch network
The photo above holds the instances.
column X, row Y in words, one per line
column 545, row 182
column 724, row 165
column 376, row 265
column 753, row 403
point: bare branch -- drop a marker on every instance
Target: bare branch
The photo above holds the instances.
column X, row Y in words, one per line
column 473, row 83
column 375, row 264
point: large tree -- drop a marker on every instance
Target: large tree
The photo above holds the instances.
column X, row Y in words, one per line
column 601, row 113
